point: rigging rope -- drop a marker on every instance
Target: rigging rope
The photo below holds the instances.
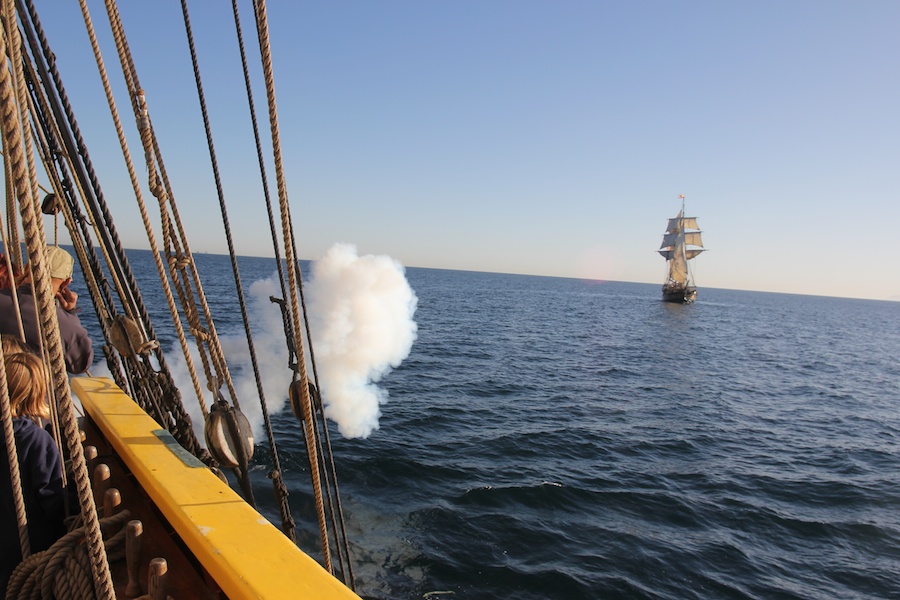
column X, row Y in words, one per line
column 292, row 271
column 25, row 184
column 281, row 491
column 319, row 472
column 60, row 144
column 234, row 266
column 163, row 391
column 182, row 268
column 13, row 458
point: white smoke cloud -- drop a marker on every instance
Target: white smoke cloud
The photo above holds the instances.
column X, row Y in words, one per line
column 271, row 357
column 361, row 320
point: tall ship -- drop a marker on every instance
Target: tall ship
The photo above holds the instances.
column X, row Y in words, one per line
column 681, row 243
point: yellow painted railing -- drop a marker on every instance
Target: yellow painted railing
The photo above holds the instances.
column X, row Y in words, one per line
column 243, row 552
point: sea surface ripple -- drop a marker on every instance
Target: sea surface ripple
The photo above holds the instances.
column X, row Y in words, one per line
column 562, row 439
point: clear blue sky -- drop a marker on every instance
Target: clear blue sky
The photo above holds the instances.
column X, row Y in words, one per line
column 536, row 137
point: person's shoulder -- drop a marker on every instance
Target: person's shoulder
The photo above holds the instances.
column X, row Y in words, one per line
column 22, row 290
column 27, row 430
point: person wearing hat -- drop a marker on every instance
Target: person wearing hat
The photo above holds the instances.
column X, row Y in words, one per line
column 77, row 348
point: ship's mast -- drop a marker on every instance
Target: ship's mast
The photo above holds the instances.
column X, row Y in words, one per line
column 683, row 246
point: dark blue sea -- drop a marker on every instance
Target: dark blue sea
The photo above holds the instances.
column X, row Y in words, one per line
column 553, row 438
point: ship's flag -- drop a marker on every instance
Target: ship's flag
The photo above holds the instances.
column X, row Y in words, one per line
column 681, row 196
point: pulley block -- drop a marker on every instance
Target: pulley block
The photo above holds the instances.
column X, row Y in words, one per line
column 229, row 436
column 297, row 400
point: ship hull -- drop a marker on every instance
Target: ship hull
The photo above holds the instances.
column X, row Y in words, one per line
column 679, row 294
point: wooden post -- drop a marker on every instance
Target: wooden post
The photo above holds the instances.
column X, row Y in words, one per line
column 90, row 455
column 101, row 483
column 111, row 501
column 134, row 539
column 159, row 572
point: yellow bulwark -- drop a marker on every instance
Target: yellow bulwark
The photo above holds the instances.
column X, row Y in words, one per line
column 244, row 553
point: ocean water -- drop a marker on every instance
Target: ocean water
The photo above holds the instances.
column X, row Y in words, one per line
column 555, row 438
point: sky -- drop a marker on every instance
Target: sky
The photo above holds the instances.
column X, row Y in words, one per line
column 533, row 137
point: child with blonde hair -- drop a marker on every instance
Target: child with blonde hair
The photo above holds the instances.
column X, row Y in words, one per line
column 40, row 464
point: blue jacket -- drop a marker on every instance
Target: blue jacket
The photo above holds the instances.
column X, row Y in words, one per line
column 40, row 468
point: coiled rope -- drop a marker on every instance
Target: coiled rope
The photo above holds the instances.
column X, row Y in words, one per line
column 62, row 571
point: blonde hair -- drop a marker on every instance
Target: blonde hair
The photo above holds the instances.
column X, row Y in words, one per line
column 27, row 386
column 11, row 344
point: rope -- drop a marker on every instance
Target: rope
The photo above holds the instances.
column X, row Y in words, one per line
column 9, row 267
column 280, row 492
column 45, row 303
column 12, row 246
column 280, row 489
column 182, row 268
column 64, row 570
column 184, row 431
column 328, row 469
column 143, row 124
column 108, row 234
column 266, row 58
column 13, row 457
column 153, row 390
column 53, row 114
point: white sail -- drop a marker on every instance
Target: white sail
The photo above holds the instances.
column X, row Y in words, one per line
column 693, row 239
column 688, row 254
column 672, row 240
column 689, row 223
column 682, row 223
column 678, row 267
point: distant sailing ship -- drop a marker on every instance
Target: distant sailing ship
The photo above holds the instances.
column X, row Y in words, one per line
column 681, row 232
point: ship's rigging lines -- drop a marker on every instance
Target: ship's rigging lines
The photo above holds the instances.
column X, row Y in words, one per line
column 133, row 355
